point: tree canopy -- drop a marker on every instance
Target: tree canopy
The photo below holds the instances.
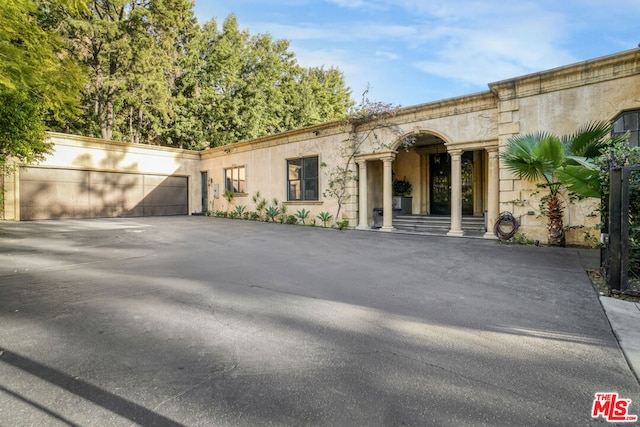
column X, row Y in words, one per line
column 156, row 76
column 38, row 76
column 145, row 71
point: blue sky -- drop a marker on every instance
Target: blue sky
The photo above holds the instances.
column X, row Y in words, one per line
column 415, row 51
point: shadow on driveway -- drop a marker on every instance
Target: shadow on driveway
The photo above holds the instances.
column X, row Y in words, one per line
column 203, row 321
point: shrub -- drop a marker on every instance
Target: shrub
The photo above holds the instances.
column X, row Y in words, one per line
column 272, row 212
column 302, row 215
column 291, row 219
column 325, row 217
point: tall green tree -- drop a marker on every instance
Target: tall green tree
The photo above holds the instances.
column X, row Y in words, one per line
column 37, row 76
column 131, row 50
column 235, row 86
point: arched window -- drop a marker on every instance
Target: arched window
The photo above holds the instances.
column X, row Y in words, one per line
column 629, row 121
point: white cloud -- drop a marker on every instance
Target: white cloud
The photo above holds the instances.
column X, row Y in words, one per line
column 360, row 4
column 476, row 47
column 341, row 59
column 444, row 42
column 387, row 55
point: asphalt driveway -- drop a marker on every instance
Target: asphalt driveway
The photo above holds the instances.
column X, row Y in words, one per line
column 200, row 321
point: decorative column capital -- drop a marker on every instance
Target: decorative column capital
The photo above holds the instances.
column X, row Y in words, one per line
column 388, row 158
column 492, row 151
column 456, row 152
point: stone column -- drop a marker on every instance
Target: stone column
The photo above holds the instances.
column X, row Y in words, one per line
column 493, row 191
column 387, row 194
column 456, row 194
column 363, row 214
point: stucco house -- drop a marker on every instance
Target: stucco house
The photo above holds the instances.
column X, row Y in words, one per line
column 453, row 166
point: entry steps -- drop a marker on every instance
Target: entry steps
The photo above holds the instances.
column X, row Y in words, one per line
column 437, row 224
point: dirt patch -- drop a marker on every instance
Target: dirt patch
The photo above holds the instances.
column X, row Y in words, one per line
column 599, row 283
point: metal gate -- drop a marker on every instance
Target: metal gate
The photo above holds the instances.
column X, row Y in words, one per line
column 622, row 251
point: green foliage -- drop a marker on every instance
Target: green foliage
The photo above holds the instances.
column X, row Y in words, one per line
column 581, row 179
column 21, row 129
column 364, row 122
column 291, row 219
column 130, row 52
column 272, row 212
column 37, row 77
column 581, row 171
column 535, row 157
column 342, row 224
column 522, row 239
column 34, row 59
column 302, row 215
column 260, row 203
column 229, row 196
column 591, row 240
column 240, row 210
column 234, row 86
column 589, row 140
column 401, row 187
column 325, row 217
column 145, row 71
column 562, row 162
column 620, row 152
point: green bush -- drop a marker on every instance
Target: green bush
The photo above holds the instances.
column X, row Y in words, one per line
column 325, row 217
column 291, row 219
column 302, row 215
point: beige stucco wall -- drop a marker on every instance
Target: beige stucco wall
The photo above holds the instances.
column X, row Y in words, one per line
column 83, row 153
column 560, row 101
column 265, row 160
column 557, row 101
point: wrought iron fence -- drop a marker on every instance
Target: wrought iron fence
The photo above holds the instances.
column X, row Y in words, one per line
column 622, row 250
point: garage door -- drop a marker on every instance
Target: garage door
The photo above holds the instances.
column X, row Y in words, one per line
column 67, row 193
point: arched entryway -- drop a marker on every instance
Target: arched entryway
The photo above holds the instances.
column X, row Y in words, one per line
column 427, row 166
column 449, row 180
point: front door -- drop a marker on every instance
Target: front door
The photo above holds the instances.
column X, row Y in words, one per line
column 440, row 178
column 204, row 185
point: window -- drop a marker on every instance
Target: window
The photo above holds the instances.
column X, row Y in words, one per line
column 302, row 179
column 628, row 122
column 235, row 179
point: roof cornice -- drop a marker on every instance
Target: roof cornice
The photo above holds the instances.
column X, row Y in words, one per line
column 583, row 73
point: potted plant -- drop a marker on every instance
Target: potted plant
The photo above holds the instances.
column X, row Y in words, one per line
column 401, row 187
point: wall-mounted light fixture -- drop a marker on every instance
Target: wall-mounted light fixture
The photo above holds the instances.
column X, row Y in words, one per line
column 227, row 150
column 316, row 132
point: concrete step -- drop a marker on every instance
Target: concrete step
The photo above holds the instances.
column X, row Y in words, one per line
column 429, row 223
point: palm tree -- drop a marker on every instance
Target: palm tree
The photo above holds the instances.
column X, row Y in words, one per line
column 581, row 171
column 536, row 157
column 566, row 162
